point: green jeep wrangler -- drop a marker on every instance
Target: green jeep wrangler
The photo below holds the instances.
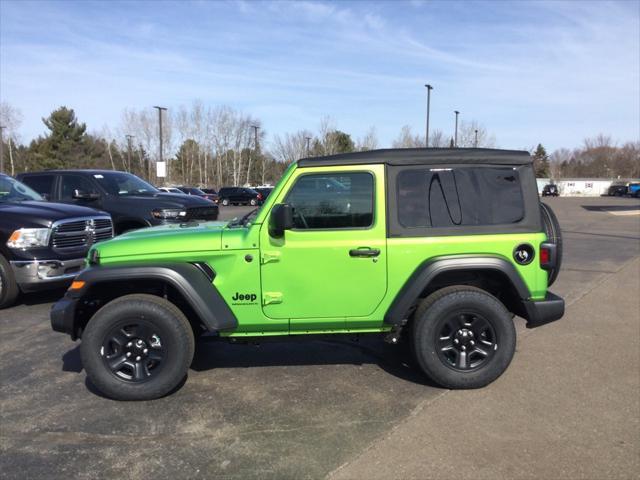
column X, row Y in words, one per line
column 438, row 247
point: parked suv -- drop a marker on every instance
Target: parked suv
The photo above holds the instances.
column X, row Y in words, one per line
column 132, row 202
column 550, row 190
column 441, row 247
column 42, row 245
column 238, row 196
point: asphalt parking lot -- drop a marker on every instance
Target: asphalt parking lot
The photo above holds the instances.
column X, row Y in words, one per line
column 567, row 407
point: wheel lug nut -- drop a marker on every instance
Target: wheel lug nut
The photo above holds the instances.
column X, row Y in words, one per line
column 138, row 358
column 146, row 350
column 472, row 342
column 128, row 354
column 463, row 347
column 456, row 341
column 129, row 344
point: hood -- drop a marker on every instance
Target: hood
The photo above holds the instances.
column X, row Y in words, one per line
column 164, row 239
column 168, row 200
column 41, row 214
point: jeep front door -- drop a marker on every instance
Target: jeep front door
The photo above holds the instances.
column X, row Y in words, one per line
column 331, row 266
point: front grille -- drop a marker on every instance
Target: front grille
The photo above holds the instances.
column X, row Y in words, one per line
column 202, row 213
column 80, row 233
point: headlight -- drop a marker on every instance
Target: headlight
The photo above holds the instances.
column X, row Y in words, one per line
column 29, row 238
column 168, row 213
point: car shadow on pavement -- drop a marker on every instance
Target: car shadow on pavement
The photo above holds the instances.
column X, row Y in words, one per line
column 394, row 359
column 38, row 298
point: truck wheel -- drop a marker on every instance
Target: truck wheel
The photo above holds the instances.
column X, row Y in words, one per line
column 225, row 202
column 554, row 235
column 253, row 202
column 8, row 287
column 463, row 337
column 137, row 347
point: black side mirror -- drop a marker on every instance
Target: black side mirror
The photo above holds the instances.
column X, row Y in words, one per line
column 281, row 219
column 83, row 195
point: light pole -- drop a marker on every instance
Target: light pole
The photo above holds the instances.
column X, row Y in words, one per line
column 308, row 139
column 455, row 141
column 426, row 137
column 129, row 137
column 255, row 150
column 475, row 142
column 160, row 109
column 2, row 127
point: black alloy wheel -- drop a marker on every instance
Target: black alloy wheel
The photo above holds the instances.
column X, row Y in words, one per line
column 133, row 351
column 466, row 341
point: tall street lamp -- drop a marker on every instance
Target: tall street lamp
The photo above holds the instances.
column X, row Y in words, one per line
column 160, row 109
column 308, row 139
column 426, row 137
column 455, row 141
column 475, row 143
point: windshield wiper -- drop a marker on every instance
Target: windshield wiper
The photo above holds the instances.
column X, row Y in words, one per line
column 242, row 221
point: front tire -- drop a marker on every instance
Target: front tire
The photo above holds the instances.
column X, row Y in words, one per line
column 253, row 202
column 463, row 337
column 137, row 347
column 225, row 202
column 8, row 287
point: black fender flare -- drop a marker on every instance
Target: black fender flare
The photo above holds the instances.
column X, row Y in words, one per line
column 422, row 276
column 193, row 282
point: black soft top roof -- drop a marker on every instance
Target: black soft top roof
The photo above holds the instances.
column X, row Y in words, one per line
column 423, row 156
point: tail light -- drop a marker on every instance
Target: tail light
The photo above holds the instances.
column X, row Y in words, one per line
column 259, row 196
column 547, row 256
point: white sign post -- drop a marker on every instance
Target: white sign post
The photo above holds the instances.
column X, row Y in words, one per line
column 161, row 169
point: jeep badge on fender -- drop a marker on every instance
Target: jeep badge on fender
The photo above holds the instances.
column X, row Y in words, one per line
column 397, row 243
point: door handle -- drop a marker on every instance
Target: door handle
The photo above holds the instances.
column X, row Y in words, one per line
column 364, row 252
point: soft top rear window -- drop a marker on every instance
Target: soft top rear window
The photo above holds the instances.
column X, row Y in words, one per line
column 457, row 197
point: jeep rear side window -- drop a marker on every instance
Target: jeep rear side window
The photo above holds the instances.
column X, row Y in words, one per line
column 450, row 197
column 330, row 201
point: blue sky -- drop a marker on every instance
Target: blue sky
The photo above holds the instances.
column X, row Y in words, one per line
column 530, row 72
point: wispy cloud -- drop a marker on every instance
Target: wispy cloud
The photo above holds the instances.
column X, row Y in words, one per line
column 533, row 72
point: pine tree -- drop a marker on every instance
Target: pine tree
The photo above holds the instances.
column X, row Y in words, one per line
column 541, row 162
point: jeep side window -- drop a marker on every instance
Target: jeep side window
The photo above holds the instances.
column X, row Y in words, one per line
column 329, row 201
column 450, row 197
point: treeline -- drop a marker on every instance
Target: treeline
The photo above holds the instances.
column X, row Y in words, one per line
column 216, row 146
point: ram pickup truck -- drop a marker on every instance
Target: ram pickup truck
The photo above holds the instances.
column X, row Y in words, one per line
column 43, row 245
column 440, row 248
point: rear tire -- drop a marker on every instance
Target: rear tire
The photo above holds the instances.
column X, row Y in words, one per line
column 225, row 201
column 554, row 235
column 480, row 337
column 253, row 202
column 137, row 347
column 9, row 290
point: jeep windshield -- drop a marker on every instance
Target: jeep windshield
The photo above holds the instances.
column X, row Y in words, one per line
column 12, row 190
column 123, row 184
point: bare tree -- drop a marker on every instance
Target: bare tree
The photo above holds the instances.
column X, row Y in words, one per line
column 11, row 119
column 467, row 132
column 369, row 141
column 406, row 139
column 291, row 146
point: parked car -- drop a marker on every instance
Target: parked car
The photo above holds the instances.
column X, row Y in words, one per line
column 171, row 190
column 634, row 189
column 446, row 267
column 212, row 192
column 264, row 191
column 131, row 202
column 42, row 244
column 550, row 190
column 239, row 196
column 618, row 189
column 198, row 193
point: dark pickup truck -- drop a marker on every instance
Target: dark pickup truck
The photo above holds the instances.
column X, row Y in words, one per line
column 42, row 245
column 131, row 202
